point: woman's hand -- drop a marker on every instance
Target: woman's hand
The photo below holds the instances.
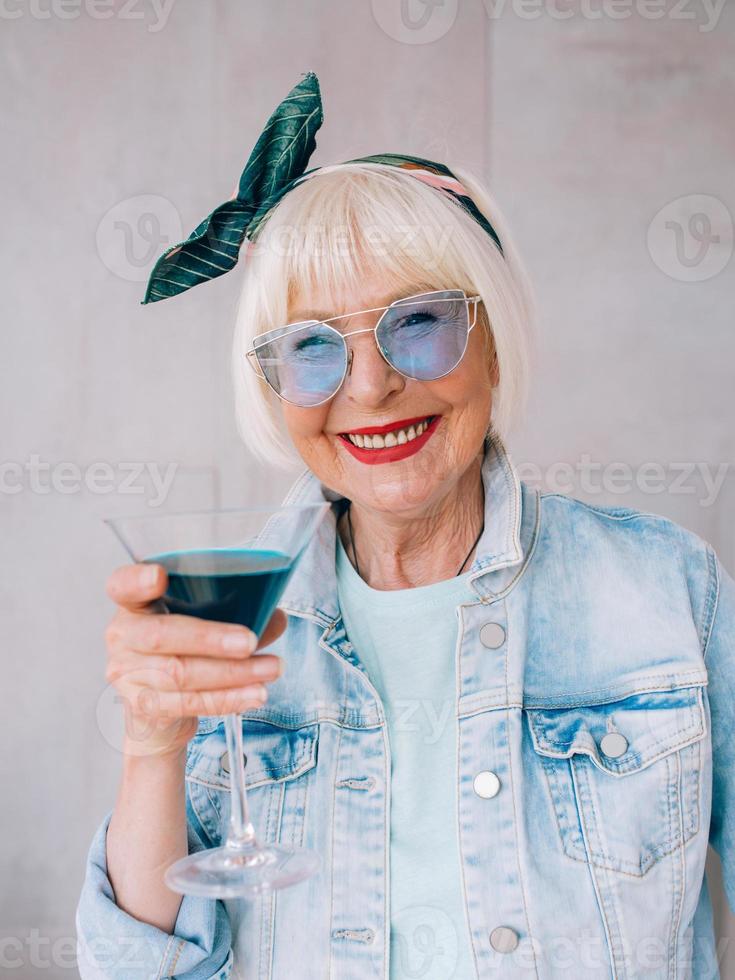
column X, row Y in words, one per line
column 169, row 669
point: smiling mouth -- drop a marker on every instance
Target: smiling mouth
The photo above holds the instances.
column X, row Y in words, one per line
column 396, row 437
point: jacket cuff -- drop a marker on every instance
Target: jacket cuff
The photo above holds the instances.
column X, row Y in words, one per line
column 113, row 945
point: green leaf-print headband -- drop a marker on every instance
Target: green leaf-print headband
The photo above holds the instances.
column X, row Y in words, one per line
column 276, row 164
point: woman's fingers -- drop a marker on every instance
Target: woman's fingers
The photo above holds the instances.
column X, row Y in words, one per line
column 189, row 635
column 175, row 673
column 171, row 668
column 171, row 705
column 134, row 587
column 184, row 635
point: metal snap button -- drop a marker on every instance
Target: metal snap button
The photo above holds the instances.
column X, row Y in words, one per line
column 225, row 761
column 486, row 784
column 614, row 744
column 503, row 939
column 492, row 635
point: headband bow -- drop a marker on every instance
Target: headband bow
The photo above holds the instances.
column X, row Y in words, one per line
column 276, row 164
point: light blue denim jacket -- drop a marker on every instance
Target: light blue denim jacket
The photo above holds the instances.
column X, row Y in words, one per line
column 596, row 759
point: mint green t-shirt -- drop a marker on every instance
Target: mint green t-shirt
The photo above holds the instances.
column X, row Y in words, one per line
column 406, row 639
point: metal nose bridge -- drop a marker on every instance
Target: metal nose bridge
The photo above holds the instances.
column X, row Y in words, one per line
column 351, row 351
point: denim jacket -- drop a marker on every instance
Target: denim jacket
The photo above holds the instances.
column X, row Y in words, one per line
column 595, row 706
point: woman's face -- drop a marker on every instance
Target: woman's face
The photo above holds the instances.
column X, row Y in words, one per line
column 374, row 394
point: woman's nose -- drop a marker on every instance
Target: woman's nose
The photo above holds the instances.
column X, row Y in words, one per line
column 368, row 373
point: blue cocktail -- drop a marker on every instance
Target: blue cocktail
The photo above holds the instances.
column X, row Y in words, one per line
column 229, row 566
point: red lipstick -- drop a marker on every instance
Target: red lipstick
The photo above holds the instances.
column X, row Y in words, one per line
column 391, row 454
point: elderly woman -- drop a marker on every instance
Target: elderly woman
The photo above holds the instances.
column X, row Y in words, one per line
column 501, row 717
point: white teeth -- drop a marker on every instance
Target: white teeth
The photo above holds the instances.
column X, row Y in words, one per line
column 395, row 438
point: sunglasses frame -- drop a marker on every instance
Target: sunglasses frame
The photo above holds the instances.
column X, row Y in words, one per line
column 252, row 353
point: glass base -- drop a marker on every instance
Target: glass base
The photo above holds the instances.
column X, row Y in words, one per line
column 228, row 872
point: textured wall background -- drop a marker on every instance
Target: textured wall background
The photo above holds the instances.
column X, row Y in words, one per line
column 605, row 130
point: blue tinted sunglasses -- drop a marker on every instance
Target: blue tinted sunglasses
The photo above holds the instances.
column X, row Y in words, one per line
column 423, row 337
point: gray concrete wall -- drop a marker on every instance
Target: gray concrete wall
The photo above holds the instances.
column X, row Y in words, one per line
column 608, row 141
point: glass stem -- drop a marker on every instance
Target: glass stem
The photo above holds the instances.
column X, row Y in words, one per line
column 241, row 833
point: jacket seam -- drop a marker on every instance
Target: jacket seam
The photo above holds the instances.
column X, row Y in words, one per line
column 165, row 957
column 613, row 513
column 678, row 900
column 530, row 554
column 196, row 812
column 712, row 600
column 519, row 870
column 527, row 558
column 179, row 950
column 458, row 792
column 661, row 741
column 513, row 498
column 644, row 677
column 331, row 854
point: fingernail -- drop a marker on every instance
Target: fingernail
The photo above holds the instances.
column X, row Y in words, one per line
column 238, row 642
column 149, row 576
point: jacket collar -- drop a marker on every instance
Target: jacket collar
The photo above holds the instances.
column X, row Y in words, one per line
column 511, row 524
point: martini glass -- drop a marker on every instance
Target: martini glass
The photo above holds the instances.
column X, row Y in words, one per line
column 231, row 566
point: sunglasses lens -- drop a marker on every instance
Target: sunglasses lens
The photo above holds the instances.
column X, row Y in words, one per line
column 425, row 337
column 306, row 365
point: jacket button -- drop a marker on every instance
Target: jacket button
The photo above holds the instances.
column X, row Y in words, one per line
column 614, row 744
column 503, row 939
column 486, row 784
column 225, row 761
column 492, row 635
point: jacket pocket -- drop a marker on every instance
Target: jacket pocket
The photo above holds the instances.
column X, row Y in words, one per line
column 624, row 777
column 278, row 763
